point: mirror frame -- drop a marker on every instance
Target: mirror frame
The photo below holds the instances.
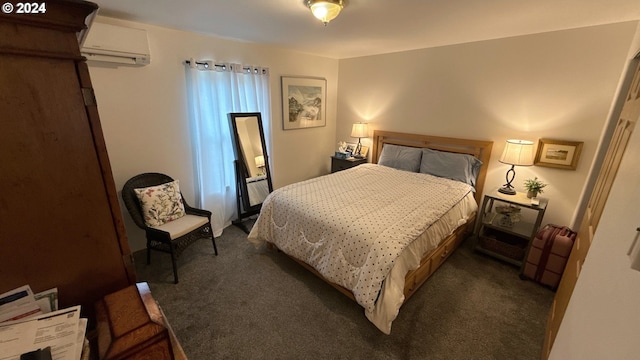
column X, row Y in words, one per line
column 245, row 209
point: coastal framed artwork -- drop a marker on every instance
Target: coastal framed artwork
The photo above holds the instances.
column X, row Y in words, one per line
column 559, row 154
column 303, row 102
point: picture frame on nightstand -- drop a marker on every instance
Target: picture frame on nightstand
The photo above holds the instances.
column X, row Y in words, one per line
column 364, row 150
column 351, row 147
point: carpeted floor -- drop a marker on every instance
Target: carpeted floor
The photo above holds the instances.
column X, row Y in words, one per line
column 250, row 303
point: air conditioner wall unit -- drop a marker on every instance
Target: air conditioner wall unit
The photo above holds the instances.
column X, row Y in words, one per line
column 116, row 44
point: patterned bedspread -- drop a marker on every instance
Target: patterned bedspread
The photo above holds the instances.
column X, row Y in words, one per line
column 352, row 225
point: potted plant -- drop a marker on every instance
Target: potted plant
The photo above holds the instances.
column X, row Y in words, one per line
column 534, row 187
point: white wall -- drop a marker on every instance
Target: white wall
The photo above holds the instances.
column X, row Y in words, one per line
column 556, row 85
column 143, row 110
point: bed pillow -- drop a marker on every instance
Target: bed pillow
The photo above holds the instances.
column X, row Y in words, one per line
column 401, row 157
column 161, row 204
column 460, row 167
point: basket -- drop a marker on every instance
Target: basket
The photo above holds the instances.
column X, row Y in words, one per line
column 504, row 245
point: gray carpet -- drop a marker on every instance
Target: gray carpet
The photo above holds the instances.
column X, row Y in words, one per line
column 250, row 303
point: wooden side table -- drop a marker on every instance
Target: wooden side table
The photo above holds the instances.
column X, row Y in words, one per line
column 497, row 236
column 342, row 164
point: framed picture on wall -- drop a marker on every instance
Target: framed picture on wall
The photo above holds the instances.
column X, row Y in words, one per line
column 303, row 102
column 559, row 154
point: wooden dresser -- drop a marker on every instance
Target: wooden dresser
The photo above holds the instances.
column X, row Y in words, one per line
column 61, row 224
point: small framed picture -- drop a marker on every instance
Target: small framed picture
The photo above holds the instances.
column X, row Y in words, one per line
column 559, row 154
column 364, row 150
column 351, row 148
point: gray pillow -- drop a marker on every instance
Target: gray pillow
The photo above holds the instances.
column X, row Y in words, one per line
column 460, row 167
column 401, row 157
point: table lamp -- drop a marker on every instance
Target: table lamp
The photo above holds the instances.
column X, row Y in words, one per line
column 359, row 130
column 516, row 153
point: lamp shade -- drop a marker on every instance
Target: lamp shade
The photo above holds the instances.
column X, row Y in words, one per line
column 518, row 152
column 325, row 10
column 359, row 130
column 259, row 161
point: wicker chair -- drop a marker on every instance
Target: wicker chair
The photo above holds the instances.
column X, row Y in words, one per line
column 157, row 238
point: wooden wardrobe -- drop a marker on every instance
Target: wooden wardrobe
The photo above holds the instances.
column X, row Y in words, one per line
column 60, row 220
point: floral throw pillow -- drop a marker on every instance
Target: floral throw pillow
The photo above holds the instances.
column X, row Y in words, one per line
column 161, row 204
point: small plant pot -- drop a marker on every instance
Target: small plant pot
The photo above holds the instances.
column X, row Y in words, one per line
column 531, row 194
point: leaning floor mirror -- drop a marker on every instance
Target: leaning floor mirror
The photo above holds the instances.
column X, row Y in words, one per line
column 253, row 177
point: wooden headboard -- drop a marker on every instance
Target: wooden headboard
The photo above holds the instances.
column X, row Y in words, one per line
column 477, row 148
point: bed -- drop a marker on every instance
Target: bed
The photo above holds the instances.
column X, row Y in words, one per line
column 377, row 231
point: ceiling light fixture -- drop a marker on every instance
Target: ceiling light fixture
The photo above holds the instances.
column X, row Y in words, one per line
column 325, row 10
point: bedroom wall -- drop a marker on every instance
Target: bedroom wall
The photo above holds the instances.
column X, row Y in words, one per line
column 557, row 85
column 143, row 110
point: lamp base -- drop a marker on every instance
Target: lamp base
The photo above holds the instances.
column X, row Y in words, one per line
column 507, row 190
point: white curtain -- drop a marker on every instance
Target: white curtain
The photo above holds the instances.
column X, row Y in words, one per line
column 213, row 92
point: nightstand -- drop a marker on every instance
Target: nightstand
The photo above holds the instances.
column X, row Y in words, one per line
column 498, row 236
column 341, row 164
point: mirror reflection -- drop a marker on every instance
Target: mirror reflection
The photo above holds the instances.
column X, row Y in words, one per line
column 253, row 157
column 253, row 178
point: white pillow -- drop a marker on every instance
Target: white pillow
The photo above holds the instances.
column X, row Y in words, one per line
column 161, row 204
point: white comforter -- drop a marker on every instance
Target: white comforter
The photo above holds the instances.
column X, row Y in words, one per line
column 351, row 226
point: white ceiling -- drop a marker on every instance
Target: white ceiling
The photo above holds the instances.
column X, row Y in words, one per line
column 368, row 27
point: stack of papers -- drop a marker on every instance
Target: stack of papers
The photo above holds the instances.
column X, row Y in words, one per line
column 30, row 322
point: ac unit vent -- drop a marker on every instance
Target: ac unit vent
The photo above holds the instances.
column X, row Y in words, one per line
column 116, row 44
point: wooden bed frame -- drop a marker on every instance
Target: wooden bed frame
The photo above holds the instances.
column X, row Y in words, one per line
column 431, row 261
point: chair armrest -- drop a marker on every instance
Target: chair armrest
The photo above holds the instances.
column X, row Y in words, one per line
column 156, row 234
column 193, row 211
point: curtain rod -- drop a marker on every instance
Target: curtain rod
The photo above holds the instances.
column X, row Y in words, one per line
column 210, row 65
column 206, row 64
